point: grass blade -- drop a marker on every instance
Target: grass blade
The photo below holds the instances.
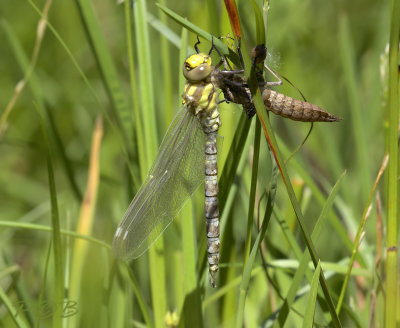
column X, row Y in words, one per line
column 392, row 274
column 222, row 47
column 253, row 187
column 108, row 71
column 347, row 55
column 35, row 86
column 29, row 69
column 147, row 99
column 357, row 239
column 86, row 216
column 304, row 259
column 244, row 285
column 310, row 309
column 14, row 313
column 139, row 295
column 140, row 145
column 56, row 234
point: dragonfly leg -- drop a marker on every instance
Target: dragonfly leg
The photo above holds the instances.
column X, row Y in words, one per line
column 270, row 84
column 196, row 45
column 227, row 37
column 239, row 51
column 223, row 101
column 227, row 68
column 223, row 60
column 234, row 83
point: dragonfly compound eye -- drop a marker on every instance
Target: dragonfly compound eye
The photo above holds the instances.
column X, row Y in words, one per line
column 197, row 67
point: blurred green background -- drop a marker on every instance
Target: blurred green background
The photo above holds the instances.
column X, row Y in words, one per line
column 333, row 51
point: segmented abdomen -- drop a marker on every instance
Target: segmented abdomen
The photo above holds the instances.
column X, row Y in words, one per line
column 211, row 204
column 295, row 109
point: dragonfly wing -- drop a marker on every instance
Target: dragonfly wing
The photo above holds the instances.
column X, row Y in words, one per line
column 176, row 173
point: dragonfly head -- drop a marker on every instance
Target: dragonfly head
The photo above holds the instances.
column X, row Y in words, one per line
column 197, row 67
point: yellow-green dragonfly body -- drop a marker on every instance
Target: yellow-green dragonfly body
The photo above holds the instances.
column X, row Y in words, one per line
column 188, row 147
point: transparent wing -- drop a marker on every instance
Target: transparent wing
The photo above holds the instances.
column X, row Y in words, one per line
column 176, row 173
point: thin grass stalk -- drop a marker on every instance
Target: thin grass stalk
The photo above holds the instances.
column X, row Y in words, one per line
column 140, row 144
column 377, row 263
column 138, row 294
column 357, row 239
column 67, row 274
column 41, row 29
column 12, row 310
column 39, row 227
column 318, row 195
column 312, row 298
column 222, row 47
column 246, row 273
column 156, row 257
column 247, row 269
column 392, row 274
column 69, row 53
column 182, row 57
column 167, row 74
column 191, row 312
column 253, row 189
column 86, row 217
column 124, row 128
column 304, row 258
column 56, row 234
column 147, row 104
column 346, row 45
column 212, row 17
column 57, row 246
column 244, row 284
column 37, row 91
column 219, row 294
column 229, row 254
column 108, row 71
column 100, row 104
column 41, row 299
column 9, row 270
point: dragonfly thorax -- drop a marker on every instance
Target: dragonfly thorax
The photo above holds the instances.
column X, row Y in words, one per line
column 201, row 100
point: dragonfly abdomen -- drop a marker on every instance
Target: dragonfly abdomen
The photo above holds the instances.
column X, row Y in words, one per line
column 295, row 109
column 211, row 204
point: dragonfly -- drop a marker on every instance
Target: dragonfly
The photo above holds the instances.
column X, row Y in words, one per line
column 188, row 155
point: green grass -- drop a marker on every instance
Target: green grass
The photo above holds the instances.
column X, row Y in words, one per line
column 302, row 242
